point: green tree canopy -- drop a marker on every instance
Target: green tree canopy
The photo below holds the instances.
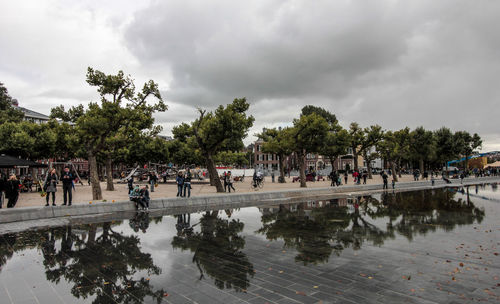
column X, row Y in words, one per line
column 279, row 142
column 8, row 113
column 422, row 146
column 444, row 146
column 106, row 127
column 220, row 130
column 466, row 144
column 308, row 135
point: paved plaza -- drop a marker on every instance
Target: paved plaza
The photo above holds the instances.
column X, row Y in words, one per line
column 83, row 193
column 433, row 246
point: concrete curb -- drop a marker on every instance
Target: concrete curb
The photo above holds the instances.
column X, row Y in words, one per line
column 223, row 200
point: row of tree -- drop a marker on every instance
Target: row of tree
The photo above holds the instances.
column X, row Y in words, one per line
column 318, row 131
column 120, row 129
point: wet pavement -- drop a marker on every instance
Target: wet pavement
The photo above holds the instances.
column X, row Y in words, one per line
column 432, row 246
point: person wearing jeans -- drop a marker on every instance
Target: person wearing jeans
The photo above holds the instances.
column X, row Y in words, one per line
column 187, row 183
column 67, row 180
column 152, row 180
column 180, row 183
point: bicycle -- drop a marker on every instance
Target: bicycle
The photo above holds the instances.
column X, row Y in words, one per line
column 257, row 184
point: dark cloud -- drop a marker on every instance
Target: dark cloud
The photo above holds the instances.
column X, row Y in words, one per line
column 395, row 63
column 391, row 62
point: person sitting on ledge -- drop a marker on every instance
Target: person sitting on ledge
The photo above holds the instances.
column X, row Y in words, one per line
column 144, row 193
column 135, row 196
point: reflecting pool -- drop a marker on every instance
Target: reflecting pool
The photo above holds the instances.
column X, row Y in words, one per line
column 433, row 246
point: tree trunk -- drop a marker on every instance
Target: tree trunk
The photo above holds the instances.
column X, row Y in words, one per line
column 94, row 177
column 355, row 158
column 393, row 169
column 212, row 171
column 109, row 174
column 368, row 165
column 332, row 161
column 421, row 165
column 302, row 166
column 399, row 168
column 281, row 179
column 92, row 234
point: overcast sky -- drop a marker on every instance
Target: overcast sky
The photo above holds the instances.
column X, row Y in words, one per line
column 388, row 62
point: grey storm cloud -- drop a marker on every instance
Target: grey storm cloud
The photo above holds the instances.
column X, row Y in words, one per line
column 395, row 63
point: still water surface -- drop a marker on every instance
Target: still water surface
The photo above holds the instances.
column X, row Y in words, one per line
column 386, row 248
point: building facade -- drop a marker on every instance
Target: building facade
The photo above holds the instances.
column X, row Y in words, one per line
column 264, row 161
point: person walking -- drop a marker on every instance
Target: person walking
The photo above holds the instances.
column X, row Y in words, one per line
column 384, row 178
column 50, row 186
column 153, row 179
column 345, row 177
column 333, row 178
column 67, row 181
column 180, row 183
column 230, row 181
column 365, row 175
column 187, row 183
column 225, row 181
column 3, row 185
column 12, row 188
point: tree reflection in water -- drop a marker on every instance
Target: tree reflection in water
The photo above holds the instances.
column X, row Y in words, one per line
column 97, row 261
column 316, row 229
column 217, row 250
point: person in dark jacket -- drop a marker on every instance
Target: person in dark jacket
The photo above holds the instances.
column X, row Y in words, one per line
column 153, row 179
column 67, row 181
column 130, row 183
column 3, row 184
column 144, row 193
column 12, row 188
column 180, row 183
column 187, row 183
column 51, row 182
column 333, row 178
column 384, row 178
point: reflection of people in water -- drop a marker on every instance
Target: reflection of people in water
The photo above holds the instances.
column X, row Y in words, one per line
column 183, row 225
column 140, row 222
column 49, row 248
column 67, row 241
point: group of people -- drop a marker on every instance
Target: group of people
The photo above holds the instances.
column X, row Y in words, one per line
column 50, row 186
column 183, row 182
column 357, row 176
column 10, row 187
column 139, row 195
column 228, row 181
